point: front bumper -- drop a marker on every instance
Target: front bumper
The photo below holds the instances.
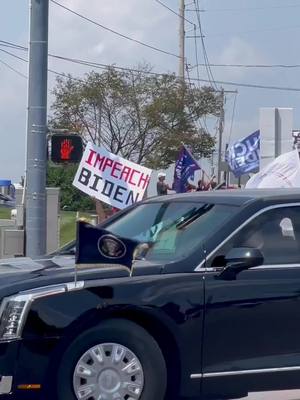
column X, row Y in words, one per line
column 26, row 362
column 8, row 361
column 6, row 384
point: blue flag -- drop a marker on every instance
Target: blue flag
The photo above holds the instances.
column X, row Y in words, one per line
column 185, row 167
column 243, row 156
column 97, row 246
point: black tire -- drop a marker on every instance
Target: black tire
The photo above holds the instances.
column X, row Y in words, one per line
column 126, row 333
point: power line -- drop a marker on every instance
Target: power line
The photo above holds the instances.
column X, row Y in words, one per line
column 251, row 8
column 13, row 55
column 173, row 11
column 113, row 31
column 288, row 66
column 255, row 86
column 283, row 28
column 233, row 115
column 196, row 53
column 105, row 66
column 249, row 65
column 206, row 60
column 16, row 47
column 13, row 45
column 13, row 69
column 10, row 46
column 196, row 120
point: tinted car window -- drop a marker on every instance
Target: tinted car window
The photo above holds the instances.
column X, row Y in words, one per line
column 276, row 233
column 171, row 229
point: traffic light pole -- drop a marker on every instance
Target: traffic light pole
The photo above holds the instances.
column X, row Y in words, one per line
column 221, row 129
column 36, row 159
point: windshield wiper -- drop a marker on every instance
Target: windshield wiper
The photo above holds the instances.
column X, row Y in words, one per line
column 194, row 216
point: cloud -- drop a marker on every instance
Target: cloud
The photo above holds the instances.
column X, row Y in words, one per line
column 74, row 37
column 239, row 51
column 147, row 21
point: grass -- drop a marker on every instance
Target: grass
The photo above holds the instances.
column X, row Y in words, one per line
column 5, row 213
column 68, row 225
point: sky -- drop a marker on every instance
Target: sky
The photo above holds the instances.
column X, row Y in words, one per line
column 236, row 32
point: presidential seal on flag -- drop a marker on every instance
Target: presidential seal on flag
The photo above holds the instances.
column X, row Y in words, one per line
column 111, row 247
column 97, row 246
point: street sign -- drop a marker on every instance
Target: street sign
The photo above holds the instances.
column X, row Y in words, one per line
column 66, row 148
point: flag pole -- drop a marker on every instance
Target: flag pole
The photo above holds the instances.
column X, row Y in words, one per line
column 77, row 249
column 76, row 275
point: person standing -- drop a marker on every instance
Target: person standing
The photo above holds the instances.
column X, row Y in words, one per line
column 162, row 187
column 190, row 188
column 201, row 186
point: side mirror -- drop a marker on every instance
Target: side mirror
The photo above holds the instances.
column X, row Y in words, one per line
column 240, row 259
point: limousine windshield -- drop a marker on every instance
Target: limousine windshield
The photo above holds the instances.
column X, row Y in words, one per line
column 171, row 229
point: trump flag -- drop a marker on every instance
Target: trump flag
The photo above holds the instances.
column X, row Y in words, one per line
column 243, row 156
column 185, row 167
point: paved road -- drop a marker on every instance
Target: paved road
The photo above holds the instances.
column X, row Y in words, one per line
column 286, row 395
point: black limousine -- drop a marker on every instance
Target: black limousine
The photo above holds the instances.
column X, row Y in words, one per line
column 211, row 310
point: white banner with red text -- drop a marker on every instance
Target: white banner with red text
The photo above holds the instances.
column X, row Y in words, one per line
column 111, row 178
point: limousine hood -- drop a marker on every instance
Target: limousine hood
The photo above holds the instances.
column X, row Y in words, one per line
column 21, row 274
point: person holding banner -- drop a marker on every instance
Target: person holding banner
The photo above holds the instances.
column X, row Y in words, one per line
column 190, row 188
column 161, row 186
column 185, row 167
column 201, row 186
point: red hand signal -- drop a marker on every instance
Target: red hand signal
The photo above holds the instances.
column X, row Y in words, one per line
column 66, row 149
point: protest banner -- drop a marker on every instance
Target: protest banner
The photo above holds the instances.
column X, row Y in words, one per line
column 110, row 178
column 283, row 172
column 243, row 156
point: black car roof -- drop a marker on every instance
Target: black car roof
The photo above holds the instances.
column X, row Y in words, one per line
column 234, row 196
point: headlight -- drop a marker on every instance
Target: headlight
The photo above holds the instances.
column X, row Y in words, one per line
column 14, row 309
column 10, row 319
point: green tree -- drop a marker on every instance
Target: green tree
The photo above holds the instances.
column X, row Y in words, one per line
column 141, row 116
column 71, row 198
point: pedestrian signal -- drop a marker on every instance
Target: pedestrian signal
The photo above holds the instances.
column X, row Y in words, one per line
column 66, row 148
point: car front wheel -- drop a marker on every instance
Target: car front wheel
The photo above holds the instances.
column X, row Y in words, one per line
column 117, row 360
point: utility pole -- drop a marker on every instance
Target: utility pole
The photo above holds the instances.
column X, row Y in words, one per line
column 181, row 39
column 36, row 160
column 221, row 130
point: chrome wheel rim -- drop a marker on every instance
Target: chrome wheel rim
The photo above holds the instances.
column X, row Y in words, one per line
column 108, row 371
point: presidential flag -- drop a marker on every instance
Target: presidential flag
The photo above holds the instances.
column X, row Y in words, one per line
column 185, row 168
column 243, row 156
column 95, row 245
